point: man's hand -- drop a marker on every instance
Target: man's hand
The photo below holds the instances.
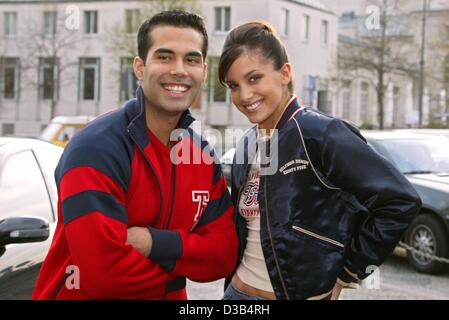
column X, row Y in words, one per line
column 140, row 238
column 336, row 291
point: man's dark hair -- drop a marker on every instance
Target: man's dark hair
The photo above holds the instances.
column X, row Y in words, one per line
column 174, row 18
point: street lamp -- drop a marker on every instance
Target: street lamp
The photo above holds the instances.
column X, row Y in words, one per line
column 421, row 64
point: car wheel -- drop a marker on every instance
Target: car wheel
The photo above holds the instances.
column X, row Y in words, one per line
column 426, row 234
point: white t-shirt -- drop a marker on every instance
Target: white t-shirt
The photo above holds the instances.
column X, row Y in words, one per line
column 252, row 269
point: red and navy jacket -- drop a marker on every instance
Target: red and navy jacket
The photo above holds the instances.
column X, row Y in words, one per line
column 115, row 174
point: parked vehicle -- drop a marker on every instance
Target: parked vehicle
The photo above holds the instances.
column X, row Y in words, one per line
column 424, row 160
column 28, row 210
column 432, row 132
column 61, row 129
column 226, row 164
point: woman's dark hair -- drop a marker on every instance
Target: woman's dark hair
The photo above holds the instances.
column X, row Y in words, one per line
column 174, row 18
column 257, row 36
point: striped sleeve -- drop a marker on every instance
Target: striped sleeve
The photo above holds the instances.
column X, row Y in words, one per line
column 92, row 198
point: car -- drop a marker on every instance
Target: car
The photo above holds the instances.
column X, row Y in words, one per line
column 424, row 161
column 62, row 128
column 28, row 202
column 226, row 164
column 432, row 132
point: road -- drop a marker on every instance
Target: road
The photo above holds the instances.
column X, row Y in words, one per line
column 395, row 280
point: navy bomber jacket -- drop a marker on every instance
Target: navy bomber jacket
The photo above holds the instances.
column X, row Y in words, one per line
column 332, row 210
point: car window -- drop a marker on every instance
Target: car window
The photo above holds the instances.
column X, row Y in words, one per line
column 22, row 188
column 50, row 131
column 68, row 132
column 48, row 160
column 419, row 155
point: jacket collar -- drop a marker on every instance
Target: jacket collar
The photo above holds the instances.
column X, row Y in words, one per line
column 137, row 128
column 293, row 105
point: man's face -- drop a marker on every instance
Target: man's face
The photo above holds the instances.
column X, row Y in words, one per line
column 174, row 70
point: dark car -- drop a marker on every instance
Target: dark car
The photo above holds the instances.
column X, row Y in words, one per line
column 28, row 202
column 424, row 160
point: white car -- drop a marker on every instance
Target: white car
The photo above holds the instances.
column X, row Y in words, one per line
column 28, row 212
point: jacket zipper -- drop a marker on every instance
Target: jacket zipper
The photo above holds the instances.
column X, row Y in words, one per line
column 314, row 235
column 59, row 288
column 155, row 174
column 271, row 239
column 173, row 192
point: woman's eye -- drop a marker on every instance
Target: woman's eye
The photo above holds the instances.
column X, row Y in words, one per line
column 254, row 79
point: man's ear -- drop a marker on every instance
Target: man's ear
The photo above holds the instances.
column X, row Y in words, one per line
column 138, row 66
column 205, row 72
column 286, row 73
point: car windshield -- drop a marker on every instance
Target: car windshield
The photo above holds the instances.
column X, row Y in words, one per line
column 414, row 156
column 50, row 131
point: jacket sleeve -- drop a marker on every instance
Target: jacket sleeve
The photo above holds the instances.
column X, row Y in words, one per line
column 92, row 202
column 209, row 251
column 389, row 198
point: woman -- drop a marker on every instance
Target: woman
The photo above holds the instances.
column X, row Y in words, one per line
column 329, row 211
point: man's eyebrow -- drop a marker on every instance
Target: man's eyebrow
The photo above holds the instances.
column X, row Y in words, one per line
column 194, row 54
column 169, row 51
column 164, row 50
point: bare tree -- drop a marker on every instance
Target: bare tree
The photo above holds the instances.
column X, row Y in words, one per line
column 47, row 45
column 380, row 50
column 122, row 38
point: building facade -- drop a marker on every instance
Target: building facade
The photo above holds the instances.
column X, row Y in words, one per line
column 56, row 57
column 401, row 99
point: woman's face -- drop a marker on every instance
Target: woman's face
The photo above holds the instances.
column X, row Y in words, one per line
column 258, row 90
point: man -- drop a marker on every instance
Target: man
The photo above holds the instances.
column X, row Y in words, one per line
column 118, row 176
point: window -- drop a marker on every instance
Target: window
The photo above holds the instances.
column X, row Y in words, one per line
column 22, row 187
column 68, row 132
column 324, row 32
column 364, row 96
column 49, row 23
column 9, row 78
column 305, row 27
column 8, row 129
column 396, row 107
column 324, row 101
column 48, row 160
column 132, row 20
column 90, row 22
column 128, row 80
column 346, row 99
column 89, row 79
column 285, row 22
column 10, row 24
column 310, row 87
column 222, row 19
column 217, row 93
column 48, row 78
